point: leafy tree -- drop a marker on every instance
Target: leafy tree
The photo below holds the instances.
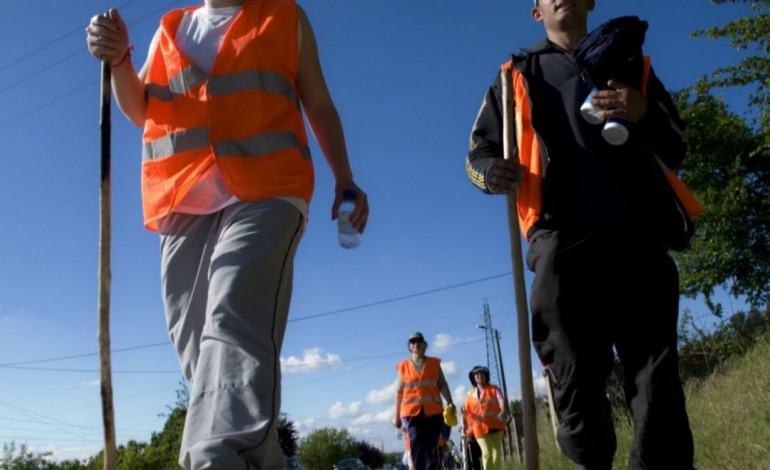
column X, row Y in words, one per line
column 369, row 454
column 323, row 448
column 747, row 33
column 21, row 458
column 287, row 435
column 728, row 168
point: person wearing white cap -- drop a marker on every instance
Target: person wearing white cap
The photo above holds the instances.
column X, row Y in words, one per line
column 419, row 388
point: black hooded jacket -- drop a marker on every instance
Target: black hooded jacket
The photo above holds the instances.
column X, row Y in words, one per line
column 589, row 185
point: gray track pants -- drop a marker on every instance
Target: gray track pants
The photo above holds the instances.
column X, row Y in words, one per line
column 226, row 284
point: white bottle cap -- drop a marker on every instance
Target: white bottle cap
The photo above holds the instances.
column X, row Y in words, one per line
column 615, row 133
column 589, row 112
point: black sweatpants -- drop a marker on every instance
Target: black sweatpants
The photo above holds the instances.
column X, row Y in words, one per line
column 424, row 432
column 588, row 297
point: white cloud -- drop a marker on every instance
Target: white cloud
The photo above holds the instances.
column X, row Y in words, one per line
column 387, row 393
column 91, row 383
column 385, row 416
column 540, row 383
column 459, row 395
column 366, row 418
column 442, row 342
column 59, row 453
column 449, row 368
column 338, row 410
column 312, row 359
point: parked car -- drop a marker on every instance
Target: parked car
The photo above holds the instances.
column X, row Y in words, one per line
column 350, row 464
column 293, row 463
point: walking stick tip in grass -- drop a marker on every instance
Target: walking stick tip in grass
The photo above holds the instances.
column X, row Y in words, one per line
column 522, row 312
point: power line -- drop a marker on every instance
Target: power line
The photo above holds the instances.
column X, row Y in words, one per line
column 76, row 356
column 71, row 54
column 50, row 43
column 395, row 299
column 22, row 364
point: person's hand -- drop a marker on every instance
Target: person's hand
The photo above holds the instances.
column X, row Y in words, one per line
column 397, row 422
column 360, row 214
column 503, row 176
column 501, row 416
column 621, row 101
column 107, row 37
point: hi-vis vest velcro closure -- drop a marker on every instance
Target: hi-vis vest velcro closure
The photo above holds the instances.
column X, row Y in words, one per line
column 245, row 118
column 421, row 389
column 529, row 195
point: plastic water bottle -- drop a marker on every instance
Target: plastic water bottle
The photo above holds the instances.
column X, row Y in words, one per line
column 614, row 131
column 349, row 236
column 588, row 111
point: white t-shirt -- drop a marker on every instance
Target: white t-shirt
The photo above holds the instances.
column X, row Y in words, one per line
column 199, row 35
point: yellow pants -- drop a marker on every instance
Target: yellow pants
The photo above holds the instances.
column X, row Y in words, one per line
column 491, row 450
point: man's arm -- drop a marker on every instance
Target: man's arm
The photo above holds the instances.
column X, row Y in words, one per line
column 444, row 388
column 399, row 396
column 484, row 164
column 325, row 122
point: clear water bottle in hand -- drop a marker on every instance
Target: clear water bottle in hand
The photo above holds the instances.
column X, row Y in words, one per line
column 349, row 236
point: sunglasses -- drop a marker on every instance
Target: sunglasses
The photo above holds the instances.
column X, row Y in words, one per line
column 415, row 341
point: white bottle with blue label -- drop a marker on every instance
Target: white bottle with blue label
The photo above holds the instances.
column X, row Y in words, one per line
column 614, row 131
column 349, row 236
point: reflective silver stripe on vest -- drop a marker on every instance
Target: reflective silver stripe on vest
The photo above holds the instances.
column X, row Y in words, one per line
column 261, row 144
column 185, row 80
column 423, row 399
column 252, row 80
column 421, row 383
column 177, row 142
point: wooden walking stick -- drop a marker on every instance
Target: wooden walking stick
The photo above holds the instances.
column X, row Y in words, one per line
column 522, row 312
column 108, row 413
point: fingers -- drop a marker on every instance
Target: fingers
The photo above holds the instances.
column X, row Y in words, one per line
column 360, row 215
column 621, row 101
column 503, row 176
column 106, row 36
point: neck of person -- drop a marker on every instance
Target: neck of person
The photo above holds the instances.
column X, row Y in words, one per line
column 417, row 357
column 567, row 40
column 223, row 3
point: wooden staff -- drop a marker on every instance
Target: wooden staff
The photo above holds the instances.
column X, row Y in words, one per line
column 108, row 413
column 522, row 312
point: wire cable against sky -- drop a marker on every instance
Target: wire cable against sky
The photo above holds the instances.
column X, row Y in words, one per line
column 395, row 299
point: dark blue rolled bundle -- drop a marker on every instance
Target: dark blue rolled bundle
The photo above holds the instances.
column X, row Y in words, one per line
column 613, row 50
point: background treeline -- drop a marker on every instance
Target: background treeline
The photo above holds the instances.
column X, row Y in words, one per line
column 728, row 168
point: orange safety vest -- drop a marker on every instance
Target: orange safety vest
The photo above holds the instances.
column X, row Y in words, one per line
column 245, row 117
column 483, row 411
column 420, row 388
column 529, row 154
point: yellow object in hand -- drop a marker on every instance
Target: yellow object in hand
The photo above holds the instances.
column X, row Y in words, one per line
column 450, row 416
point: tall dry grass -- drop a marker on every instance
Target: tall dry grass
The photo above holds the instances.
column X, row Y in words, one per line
column 729, row 416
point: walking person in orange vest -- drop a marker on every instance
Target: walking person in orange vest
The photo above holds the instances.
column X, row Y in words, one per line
column 596, row 216
column 419, row 388
column 227, row 181
column 485, row 408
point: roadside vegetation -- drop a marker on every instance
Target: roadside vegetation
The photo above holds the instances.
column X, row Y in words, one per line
column 726, row 367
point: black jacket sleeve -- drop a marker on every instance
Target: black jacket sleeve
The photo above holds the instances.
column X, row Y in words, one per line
column 664, row 131
column 486, row 141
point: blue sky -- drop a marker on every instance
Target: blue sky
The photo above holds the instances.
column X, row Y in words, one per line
column 407, row 78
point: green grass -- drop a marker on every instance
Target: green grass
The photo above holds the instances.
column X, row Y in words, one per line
column 729, row 417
